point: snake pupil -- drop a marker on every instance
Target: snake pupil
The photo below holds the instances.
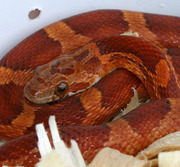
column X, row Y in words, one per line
column 61, row 89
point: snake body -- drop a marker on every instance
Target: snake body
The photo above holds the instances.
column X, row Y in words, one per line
column 67, row 58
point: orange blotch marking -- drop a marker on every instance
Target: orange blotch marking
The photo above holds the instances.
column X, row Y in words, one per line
column 92, row 98
column 20, row 124
column 175, row 104
column 169, row 124
column 123, row 135
column 91, row 101
column 66, row 36
column 19, row 77
column 137, row 23
column 163, row 73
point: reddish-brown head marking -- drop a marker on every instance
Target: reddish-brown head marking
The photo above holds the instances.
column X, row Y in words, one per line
column 80, row 86
column 66, row 71
column 93, row 65
column 54, row 70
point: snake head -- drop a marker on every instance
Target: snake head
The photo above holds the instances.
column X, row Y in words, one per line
column 56, row 80
column 49, row 83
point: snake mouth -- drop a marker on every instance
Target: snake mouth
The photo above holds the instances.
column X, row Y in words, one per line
column 40, row 102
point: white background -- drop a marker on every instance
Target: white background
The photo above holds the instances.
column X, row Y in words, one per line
column 15, row 24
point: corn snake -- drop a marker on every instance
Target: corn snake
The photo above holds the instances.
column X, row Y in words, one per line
column 97, row 29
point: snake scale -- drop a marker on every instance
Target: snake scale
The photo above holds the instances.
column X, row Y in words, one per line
column 82, row 70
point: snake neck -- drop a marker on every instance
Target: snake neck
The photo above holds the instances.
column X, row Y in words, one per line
column 140, row 57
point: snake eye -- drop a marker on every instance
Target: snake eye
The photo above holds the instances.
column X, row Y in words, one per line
column 61, row 89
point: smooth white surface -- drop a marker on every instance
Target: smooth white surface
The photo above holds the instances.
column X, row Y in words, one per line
column 15, row 24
